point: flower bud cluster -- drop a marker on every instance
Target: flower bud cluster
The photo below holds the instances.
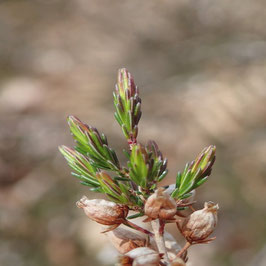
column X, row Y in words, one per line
column 134, row 187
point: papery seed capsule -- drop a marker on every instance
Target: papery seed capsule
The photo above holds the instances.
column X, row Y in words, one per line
column 200, row 224
column 141, row 256
column 125, row 240
column 160, row 205
column 172, row 247
column 178, row 262
column 103, row 211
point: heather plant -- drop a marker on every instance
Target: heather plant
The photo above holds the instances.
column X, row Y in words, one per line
column 134, row 190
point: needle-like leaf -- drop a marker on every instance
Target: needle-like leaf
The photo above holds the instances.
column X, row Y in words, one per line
column 127, row 105
column 195, row 173
column 91, row 143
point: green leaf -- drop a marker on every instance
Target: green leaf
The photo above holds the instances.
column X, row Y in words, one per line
column 188, row 186
column 157, row 164
column 127, row 105
column 118, row 192
column 90, row 181
column 162, row 176
column 195, row 173
column 82, row 166
column 127, row 154
column 93, row 144
column 178, row 179
column 200, row 182
column 138, row 169
column 135, row 215
column 187, row 195
column 146, row 165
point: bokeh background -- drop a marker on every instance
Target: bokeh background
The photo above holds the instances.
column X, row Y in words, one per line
column 200, row 66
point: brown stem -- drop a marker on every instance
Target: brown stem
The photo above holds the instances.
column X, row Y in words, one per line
column 138, row 228
column 184, row 249
column 161, row 229
column 179, row 226
column 192, row 208
column 158, row 229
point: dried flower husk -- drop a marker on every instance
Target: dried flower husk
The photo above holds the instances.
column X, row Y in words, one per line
column 103, row 211
column 200, row 224
column 125, row 240
column 160, row 205
column 171, row 245
column 178, row 262
column 141, row 256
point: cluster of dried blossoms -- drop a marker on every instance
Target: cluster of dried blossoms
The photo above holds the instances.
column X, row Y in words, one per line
column 134, row 189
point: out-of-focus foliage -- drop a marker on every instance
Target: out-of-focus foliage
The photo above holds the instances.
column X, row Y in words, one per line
column 201, row 69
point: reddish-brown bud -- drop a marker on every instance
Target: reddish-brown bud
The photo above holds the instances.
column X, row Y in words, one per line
column 160, row 205
column 103, row 211
column 141, row 256
column 125, row 240
column 200, row 224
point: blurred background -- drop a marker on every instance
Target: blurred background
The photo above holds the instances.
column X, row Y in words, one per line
column 200, row 66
